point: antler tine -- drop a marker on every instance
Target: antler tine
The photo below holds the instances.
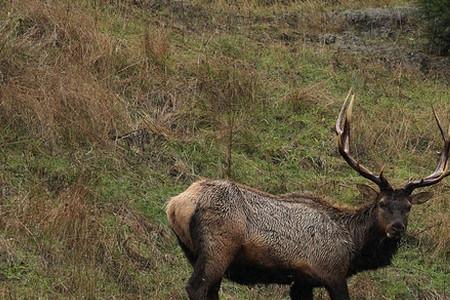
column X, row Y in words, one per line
column 342, row 113
column 343, row 134
column 350, row 109
column 441, row 170
column 436, row 117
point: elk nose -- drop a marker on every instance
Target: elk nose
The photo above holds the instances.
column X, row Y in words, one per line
column 398, row 227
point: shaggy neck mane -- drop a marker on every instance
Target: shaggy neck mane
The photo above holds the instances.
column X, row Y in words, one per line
column 372, row 249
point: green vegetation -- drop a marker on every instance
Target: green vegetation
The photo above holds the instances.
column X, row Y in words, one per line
column 108, row 108
column 436, row 16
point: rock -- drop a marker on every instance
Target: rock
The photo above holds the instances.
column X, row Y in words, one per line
column 329, row 38
column 373, row 18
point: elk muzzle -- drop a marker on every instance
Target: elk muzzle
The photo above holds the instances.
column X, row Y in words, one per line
column 395, row 230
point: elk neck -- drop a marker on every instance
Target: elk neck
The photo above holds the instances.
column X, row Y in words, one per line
column 371, row 248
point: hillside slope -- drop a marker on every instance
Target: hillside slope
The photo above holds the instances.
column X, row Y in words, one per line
column 108, row 108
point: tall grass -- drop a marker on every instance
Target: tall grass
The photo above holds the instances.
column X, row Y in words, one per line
column 54, row 58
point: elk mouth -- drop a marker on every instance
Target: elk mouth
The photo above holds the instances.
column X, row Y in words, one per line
column 393, row 233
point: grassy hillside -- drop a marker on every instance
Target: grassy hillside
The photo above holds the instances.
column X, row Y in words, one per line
column 108, row 108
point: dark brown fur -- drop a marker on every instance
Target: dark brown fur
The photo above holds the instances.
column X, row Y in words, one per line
column 222, row 241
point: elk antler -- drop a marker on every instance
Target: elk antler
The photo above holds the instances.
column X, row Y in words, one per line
column 441, row 170
column 343, row 138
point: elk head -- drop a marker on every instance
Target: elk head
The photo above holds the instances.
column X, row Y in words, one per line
column 393, row 205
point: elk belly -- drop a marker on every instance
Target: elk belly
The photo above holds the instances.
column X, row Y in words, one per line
column 258, row 263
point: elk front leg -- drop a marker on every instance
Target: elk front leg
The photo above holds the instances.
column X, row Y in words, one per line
column 338, row 291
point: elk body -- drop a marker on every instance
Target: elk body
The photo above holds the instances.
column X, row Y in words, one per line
column 248, row 236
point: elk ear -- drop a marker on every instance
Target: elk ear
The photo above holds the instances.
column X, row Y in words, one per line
column 421, row 197
column 367, row 192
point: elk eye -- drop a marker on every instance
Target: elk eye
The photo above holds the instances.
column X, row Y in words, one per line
column 382, row 204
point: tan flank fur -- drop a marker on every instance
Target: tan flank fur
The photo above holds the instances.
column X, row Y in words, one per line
column 180, row 210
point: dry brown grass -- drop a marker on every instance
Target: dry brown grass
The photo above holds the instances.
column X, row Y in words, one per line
column 59, row 103
column 227, row 87
column 81, row 245
column 433, row 234
column 71, row 89
column 310, row 97
column 57, row 94
column 441, row 234
column 156, row 47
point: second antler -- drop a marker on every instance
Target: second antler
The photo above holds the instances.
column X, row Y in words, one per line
column 441, row 170
column 343, row 135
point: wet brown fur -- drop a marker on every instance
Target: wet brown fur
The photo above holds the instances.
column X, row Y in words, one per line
column 214, row 234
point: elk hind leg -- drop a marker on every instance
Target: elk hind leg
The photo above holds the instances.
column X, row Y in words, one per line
column 213, row 292
column 301, row 291
column 208, row 272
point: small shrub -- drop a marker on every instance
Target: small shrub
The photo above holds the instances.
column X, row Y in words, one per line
column 229, row 88
column 436, row 16
column 156, row 48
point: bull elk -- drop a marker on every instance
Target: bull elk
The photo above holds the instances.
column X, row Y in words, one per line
column 248, row 236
